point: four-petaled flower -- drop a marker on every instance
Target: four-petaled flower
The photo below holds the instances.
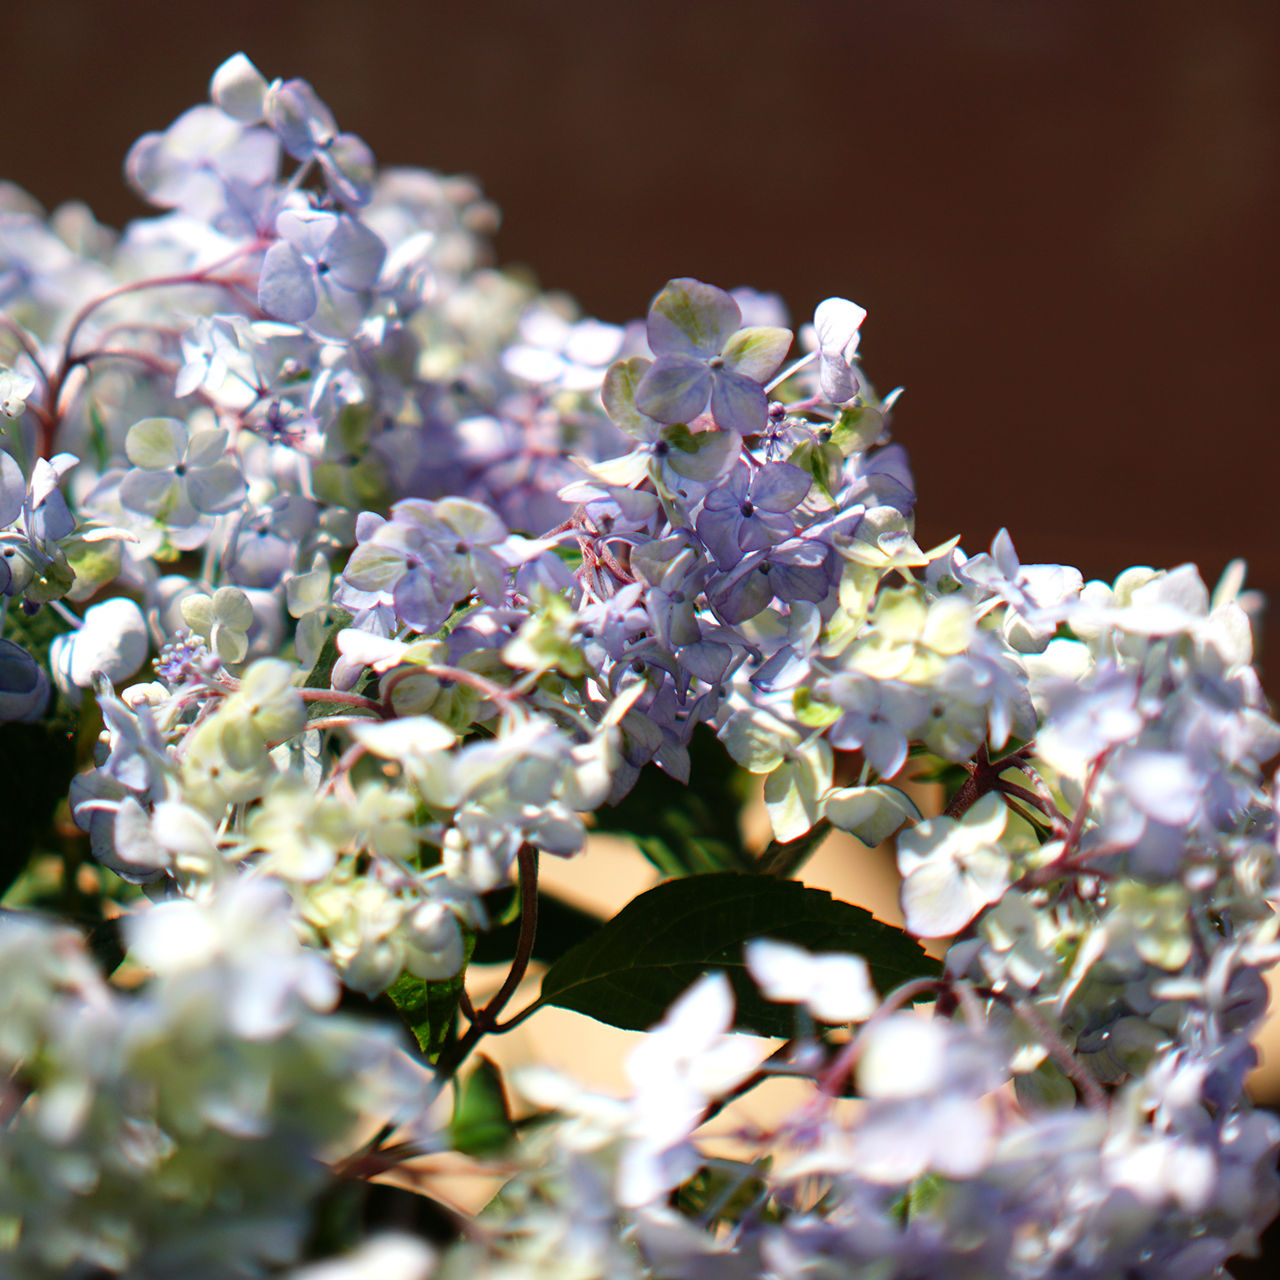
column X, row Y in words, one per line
column 704, row 355
column 178, row 477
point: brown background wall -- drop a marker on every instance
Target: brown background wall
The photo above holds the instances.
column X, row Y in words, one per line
column 1062, row 214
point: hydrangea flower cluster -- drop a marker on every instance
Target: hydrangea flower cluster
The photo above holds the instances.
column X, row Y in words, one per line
column 360, row 576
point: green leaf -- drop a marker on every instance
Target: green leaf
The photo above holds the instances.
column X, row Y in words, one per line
column 481, row 1123
column 430, row 1008
column 560, row 929
column 724, row 1192
column 630, row 972
column 40, row 758
column 684, row 831
column 39, row 763
column 824, row 462
column 857, row 428
column 321, row 675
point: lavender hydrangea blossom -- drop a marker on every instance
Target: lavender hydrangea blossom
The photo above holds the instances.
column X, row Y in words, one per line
column 355, row 584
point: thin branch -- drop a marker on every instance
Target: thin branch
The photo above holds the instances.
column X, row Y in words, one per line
column 832, row 1079
column 333, row 722
column 1082, row 809
column 340, row 698
column 485, row 1020
column 1059, row 1050
column 157, row 364
column 460, row 675
column 790, row 369
column 50, row 413
column 1030, row 798
column 20, row 336
column 974, row 787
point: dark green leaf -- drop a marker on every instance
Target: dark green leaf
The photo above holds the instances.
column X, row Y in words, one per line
column 39, row 762
column 723, row 1192
column 481, row 1122
column 560, row 928
column 632, row 970
column 429, row 1008
column 686, row 830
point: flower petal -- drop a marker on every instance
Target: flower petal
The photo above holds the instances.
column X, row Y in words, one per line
column 157, row 494
column 287, row 287
column 757, row 352
column 692, row 318
column 154, row 443
column 739, row 403
column 675, row 388
column 354, row 254
column 214, row 490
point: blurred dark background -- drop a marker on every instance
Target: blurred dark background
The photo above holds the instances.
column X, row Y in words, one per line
column 1061, row 214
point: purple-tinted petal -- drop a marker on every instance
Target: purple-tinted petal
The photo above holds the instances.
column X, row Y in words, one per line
column 348, row 167
column 252, row 161
column 416, row 601
column 491, row 577
column 743, row 595
column 848, row 732
column 159, row 495
column 675, row 388
column 261, row 559
column 52, row 519
column 836, row 322
column 838, row 379
column 802, row 572
column 286, row 288
column 733, row 493
column 214, row 490
column 780, row 487
column 339, row 312
column 373, row 567
column 780, row 525
column 149, row 492
column 885, row 748
column 308, row 230
column 692, row 318
column 354, row 254
column 718, row 530
column 300, row 120
column 707, row 660
column 13, row 490
column 1004, row 555
column 755, row 535
column 738, row 403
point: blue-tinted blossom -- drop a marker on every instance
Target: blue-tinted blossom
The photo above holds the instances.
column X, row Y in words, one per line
column 703, row 355
column 430, row 584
